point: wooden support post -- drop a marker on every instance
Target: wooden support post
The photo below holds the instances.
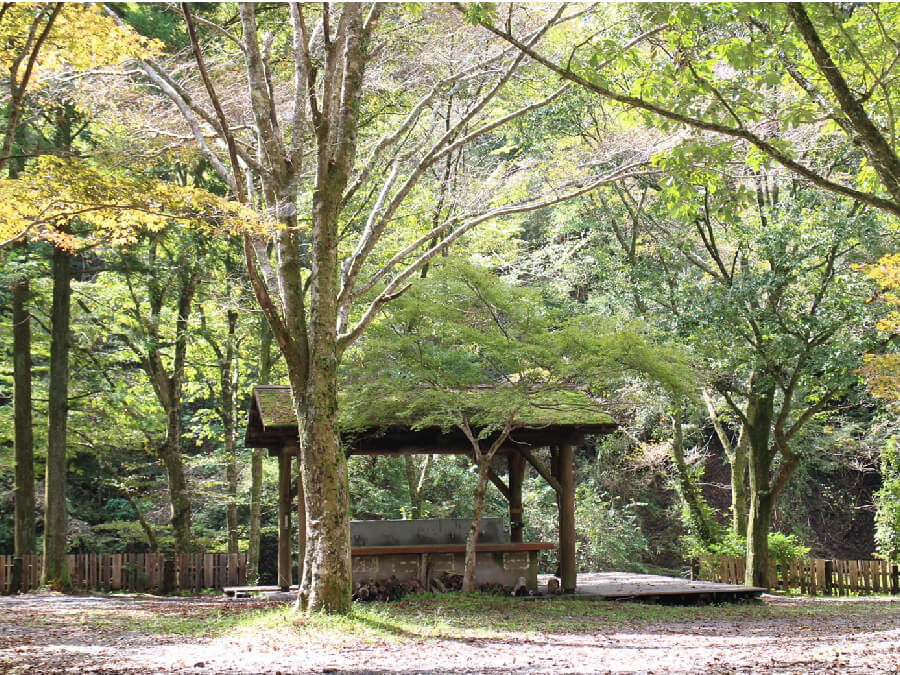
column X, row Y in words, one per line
column 284, row 520
column 566, row 476
column 516, row 477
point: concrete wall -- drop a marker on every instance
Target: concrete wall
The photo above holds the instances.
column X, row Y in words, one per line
column 425, row 531
column 490, row 568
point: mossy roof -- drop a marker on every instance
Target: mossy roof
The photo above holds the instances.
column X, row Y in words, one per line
column 557, row 408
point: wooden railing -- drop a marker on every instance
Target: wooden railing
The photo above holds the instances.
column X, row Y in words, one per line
column 812, row 576
column 135, row 572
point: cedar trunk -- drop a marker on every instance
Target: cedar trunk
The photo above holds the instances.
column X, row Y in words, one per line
column 55, row 573
column 23, row 529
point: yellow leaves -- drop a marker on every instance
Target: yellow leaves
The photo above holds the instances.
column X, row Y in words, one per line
column 886, row 272
column 58, row 192
column 82, row 37
column 882, row 371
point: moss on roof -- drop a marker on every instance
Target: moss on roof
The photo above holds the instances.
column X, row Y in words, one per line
column 565, row 408
column 276, row 407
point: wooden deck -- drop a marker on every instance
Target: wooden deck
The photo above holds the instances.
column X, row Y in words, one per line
column 653, row 588
column 619, row 586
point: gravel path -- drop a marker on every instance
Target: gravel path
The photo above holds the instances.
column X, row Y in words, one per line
column 51, row 633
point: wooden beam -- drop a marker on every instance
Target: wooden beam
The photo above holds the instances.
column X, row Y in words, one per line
column 541, row 469
column 496, row 480
column 568, row 571
column 516, row 516
column 284, row 521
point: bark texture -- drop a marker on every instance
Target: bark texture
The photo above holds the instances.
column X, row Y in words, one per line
column 758, row 429
column 24, row 526
column 55, row 573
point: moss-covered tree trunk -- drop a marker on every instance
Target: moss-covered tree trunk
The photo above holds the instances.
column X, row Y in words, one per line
column 737, row 460
column 758, row 426
column 738, row 464
column 327, row 565
column 228, row 375
column 700, row 516
column 168, row 385
column 179, row 497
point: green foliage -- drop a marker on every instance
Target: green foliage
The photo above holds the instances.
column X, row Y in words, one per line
column 782, row 547
column 887, row 503
column 609, row 533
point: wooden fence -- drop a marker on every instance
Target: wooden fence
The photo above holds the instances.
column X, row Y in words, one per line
column 813, row 576
column 136, row 572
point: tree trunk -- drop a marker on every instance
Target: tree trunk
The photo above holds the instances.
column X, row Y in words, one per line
column 757, row 427
column 23, row 528
column 145, row 526
column 327, row 564
column 468, row 584
column 256, row 472
column 179, row 496
column 301, row 530
column 700, row 520
column 415, row 481
column 23, row 491
column 55, row 573
column 231, row 478
column 229, row 377
column 737, row 459
column 516, row 512
column 24, row 534
column 739, row 488
column 760, row 519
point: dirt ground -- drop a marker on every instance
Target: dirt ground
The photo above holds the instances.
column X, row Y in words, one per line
column 52, row 633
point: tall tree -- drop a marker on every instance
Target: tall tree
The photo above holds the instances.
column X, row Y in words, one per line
column 317, row 304
column 167, row 277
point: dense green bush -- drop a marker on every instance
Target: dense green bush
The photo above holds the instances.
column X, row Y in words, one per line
column 609, row 533
column 782, row 547
column 887, row 504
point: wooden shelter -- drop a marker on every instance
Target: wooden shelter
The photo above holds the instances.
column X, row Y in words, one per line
column 272, row 425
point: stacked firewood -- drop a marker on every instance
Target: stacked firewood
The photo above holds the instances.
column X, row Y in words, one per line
column 385, row 589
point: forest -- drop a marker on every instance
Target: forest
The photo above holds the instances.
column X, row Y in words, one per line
column 445, row 216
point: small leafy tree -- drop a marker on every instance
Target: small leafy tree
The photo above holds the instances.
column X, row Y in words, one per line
column 465, row 350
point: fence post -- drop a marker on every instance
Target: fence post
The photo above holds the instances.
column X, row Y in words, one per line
column 829, row 568
column 895, row 580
